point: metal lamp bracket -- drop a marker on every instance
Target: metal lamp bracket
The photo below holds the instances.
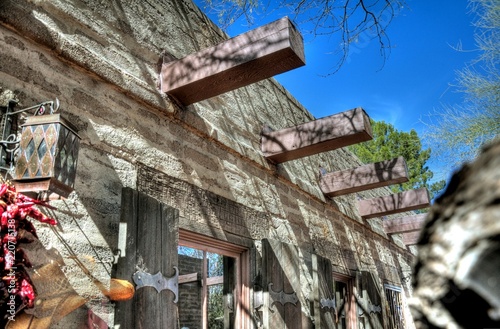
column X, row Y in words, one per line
column 9, row 142
column 158, row 281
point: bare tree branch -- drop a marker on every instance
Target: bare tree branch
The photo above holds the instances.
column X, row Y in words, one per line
column 354, row 22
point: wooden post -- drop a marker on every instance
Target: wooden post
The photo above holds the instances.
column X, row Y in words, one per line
column 404, row 224
column 317, row 136
column 247, row 58
column 364, row 177
column 395, row 203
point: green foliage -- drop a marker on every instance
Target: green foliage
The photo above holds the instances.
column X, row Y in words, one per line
column 458, row 132
column 389, row 143
column 215, row 292
column 215, row 307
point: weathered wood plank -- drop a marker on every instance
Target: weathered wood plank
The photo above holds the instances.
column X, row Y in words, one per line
column 215, row 280
column 321, row 135
column 190, row 277
column 324, row 317
column 124, row 311
column 247, row 58
column 152, row 239
column 148, row 239
column 411, row 238
column 274, row 313
column 365, row 177
column 290, row 263
column 395, row 203
column 169, row 240
column 404, row 224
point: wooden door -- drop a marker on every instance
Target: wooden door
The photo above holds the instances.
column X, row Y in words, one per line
column 151, row 246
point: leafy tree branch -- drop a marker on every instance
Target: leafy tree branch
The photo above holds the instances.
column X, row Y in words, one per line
column 457, row 132
column 389, row 143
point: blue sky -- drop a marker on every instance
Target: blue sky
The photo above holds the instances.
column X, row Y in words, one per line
column 416, row 80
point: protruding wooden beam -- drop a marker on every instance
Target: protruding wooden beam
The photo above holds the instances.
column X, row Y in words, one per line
column 317, row 136
column 395, row 203
column 365, row 177
column 404, row 224
column 247, row 58
column 411, row 238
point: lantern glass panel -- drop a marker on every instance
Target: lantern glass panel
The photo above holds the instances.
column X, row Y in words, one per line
column 47, row 155
column 65, row 164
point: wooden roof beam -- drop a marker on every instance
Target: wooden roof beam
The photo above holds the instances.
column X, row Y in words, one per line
column 317, row 136
column 247, row 58
column 411, row 238
column 364, row 177
column 404, row 224
column 395, row 203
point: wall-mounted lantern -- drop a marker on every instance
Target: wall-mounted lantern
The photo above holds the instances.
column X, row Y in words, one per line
column 47, row 153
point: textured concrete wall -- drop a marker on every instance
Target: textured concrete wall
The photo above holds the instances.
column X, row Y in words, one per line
column 101, row 60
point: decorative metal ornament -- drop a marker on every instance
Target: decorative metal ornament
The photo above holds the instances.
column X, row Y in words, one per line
column 275, row 297
column 368, row 308
column 328, row 303
column 47, row 156
column 158, row 281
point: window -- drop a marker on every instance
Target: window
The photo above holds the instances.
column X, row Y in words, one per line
column 396, row 308
column 212, row 277
column 345, row 302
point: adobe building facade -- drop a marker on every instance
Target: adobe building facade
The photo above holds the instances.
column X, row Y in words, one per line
column 289, row 256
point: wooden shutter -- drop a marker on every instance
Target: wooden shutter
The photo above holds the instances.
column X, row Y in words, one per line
column 151, row 245
column 370, row 305
column 324, row 315
column 280, row 273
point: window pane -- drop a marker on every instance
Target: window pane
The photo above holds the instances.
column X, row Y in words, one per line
column 215, row 265
column 215, row 307
column 190, row 290
column 206, row 284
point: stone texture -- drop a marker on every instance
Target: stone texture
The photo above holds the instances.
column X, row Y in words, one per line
column 101, row 59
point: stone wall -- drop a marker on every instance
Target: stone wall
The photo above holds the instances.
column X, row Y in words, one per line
column 101, row 60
